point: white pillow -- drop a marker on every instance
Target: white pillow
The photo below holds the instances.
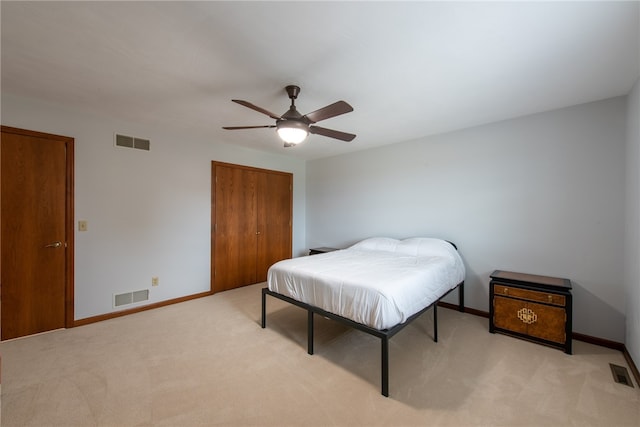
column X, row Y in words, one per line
column 414, row 246
column 425, row 246
column 377, row 244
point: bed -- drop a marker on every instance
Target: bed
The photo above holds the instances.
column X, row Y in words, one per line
column 378, row 286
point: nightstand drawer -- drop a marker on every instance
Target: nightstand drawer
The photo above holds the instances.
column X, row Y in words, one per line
column 530, row 295
column 527, row 318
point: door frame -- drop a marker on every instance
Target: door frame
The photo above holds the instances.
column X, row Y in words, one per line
column 69, row 298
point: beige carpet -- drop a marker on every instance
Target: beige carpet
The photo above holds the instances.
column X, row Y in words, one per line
column 208, row 362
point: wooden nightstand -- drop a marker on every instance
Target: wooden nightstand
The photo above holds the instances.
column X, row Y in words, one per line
column 323, row 250
column 536, row 308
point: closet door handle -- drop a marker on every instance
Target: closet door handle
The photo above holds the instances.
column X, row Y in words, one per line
column 54, row 245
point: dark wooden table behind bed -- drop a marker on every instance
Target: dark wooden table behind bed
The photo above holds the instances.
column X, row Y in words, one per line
column 384, row 334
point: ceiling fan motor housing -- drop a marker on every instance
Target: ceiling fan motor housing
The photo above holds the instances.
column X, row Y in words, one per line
column 291, row 114
column 292, row 123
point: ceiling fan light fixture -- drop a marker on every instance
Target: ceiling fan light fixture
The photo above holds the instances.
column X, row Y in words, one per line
column 292, row 131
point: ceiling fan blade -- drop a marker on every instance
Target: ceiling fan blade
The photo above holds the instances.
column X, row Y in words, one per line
column 344, row 136
column 256, row 108
column 329, row 111
column 247, row 127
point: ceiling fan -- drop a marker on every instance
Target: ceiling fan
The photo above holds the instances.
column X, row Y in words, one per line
column 293, row 127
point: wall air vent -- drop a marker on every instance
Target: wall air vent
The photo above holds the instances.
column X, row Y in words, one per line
column 132, row 142
column 130, row 297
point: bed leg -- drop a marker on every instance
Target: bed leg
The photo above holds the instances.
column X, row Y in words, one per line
column 310, row 332
column 385, row 366
column 435, row 322
column 264, row 308
column 461, row 297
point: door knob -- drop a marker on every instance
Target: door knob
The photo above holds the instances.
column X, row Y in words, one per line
column 54, row 245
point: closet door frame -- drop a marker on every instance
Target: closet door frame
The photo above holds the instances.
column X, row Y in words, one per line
column 252, row 178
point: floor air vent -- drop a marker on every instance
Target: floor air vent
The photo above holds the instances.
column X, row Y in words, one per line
column 621, row 375
column 133, row 142
column 130, row 297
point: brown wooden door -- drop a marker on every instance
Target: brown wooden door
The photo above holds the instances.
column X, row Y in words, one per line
column 251, row 223
column 36, row 189
column 274, row 221
column 234, row 228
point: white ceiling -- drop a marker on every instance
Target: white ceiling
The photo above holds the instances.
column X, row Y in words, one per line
column 409, row 69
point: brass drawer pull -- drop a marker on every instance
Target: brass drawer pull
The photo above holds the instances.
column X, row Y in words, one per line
column 505, row 291
column 550, row 297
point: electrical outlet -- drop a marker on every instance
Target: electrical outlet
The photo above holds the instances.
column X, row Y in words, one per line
column 155, row 281
column 82, row 225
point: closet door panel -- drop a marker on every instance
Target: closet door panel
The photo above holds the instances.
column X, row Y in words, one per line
column 274, row 220
column 234, row 228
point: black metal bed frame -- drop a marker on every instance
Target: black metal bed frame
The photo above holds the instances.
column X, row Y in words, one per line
column 384, row 334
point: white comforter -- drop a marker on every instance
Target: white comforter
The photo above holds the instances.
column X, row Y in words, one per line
column 379, row 282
